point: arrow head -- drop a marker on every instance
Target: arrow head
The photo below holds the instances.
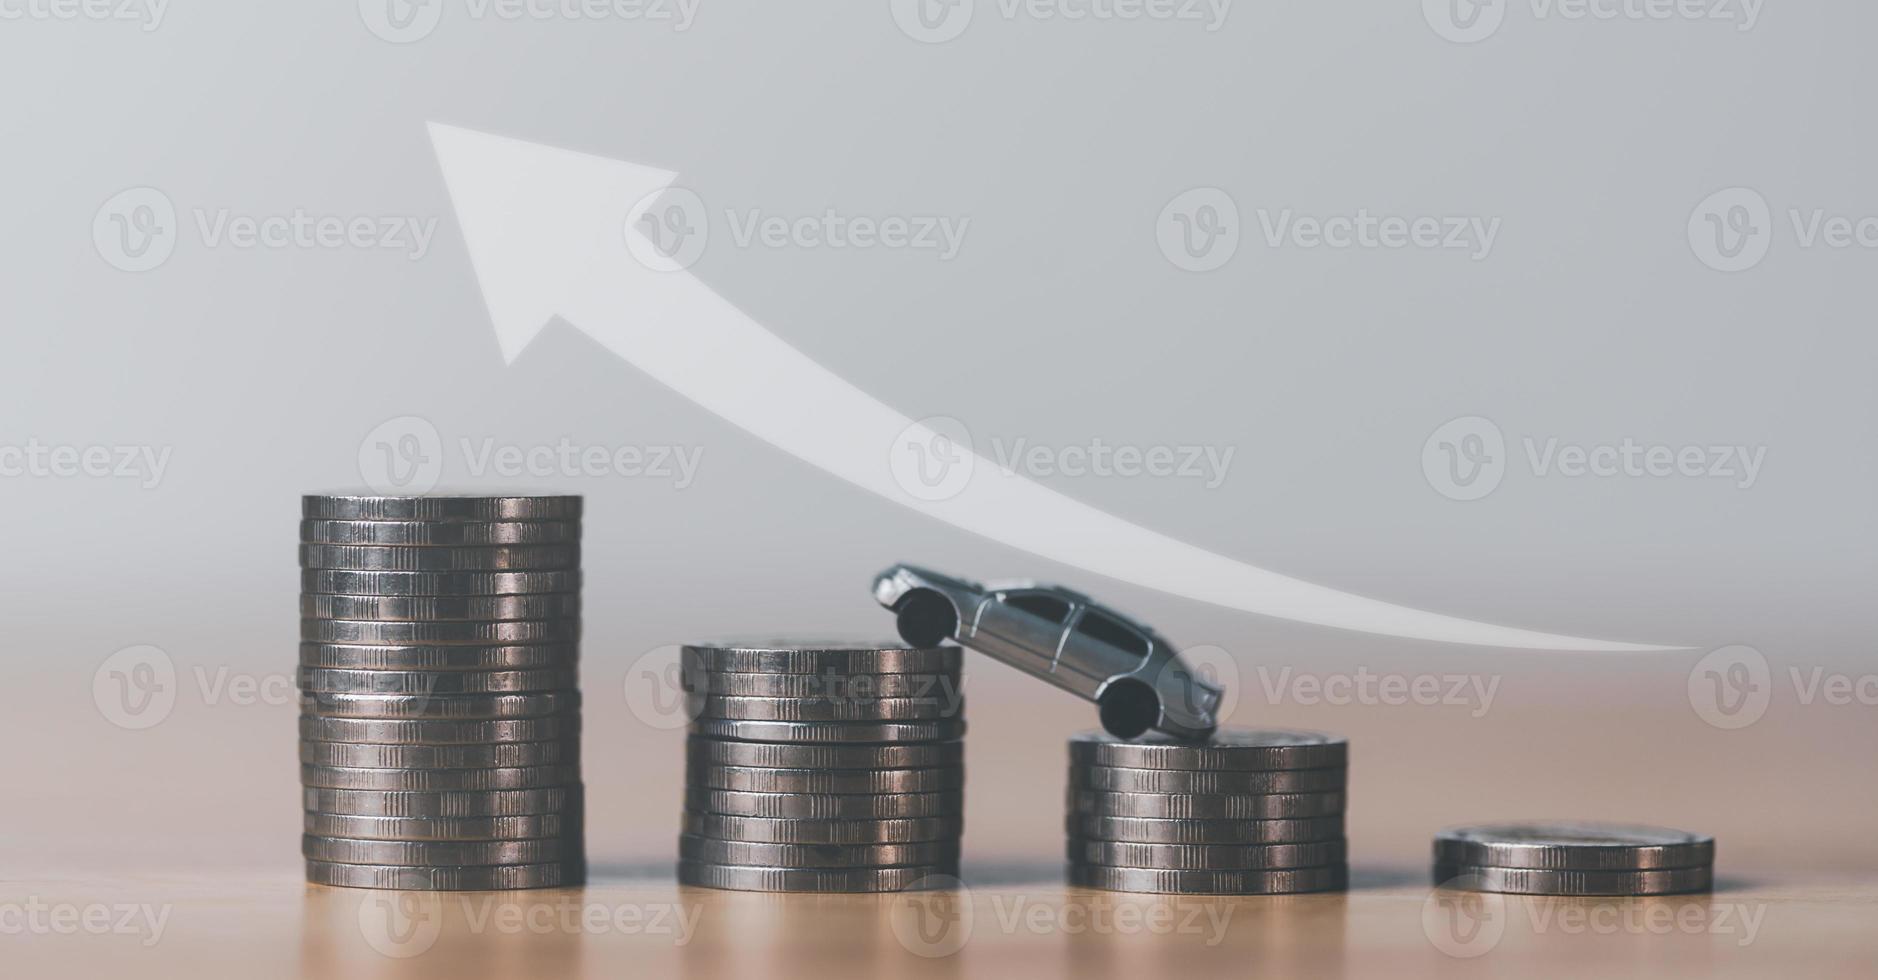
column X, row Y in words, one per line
column 535, row 219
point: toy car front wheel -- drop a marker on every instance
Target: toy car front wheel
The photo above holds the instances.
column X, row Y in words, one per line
column 1128, row 708
column 926, row 619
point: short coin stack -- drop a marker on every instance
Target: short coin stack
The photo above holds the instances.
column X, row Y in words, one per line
column 439, row 706
column 1245, row 813
column 822, row 768
column 1574, row 859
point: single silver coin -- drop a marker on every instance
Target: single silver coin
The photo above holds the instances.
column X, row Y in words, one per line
column 1275, row 806
column 422, row 682
column 494, row 878
column 441, row 609
column 438, row 731
column 439, row 533
column 1573, row 846
column 748, row 879
column 496, row 558
column 1148, row 830
column 368, row 632
column 1187, row 782
column 1535, row 881
column 496, row 755
column 1288, row 881
column 706, row 850
column 353, row 656
column 335, row 581
column 534, row 826
column 749, row 779
column 438, row 780
column 369, row 507
column 846, row 832
column 433, row 854
column 715, row 752
column 932, row 688
column 825, row 806
column 459, row 706
column 810, row 709
column 830, row 732
column 812, row 658
column 1229, row 749
column 487, row 803
column 1207, row 857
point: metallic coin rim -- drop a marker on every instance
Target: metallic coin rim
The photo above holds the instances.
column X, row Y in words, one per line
column 434, row 780
column 1492, row 845
column 1207, row 857
column 440, row 558
column 830, row 732
column 1188, row 782
column 1283, row 881
column 529, row 826
column 1102, row 749
column 824, row 806
column 346, row 680
column 771, row 755
column 772, row 830
column 426, row 854
column 441, row 609
column 475, row 878
column 339, row 581
column 438, row 534
column 711, row 850
column 441, row 707
column 849, row 880
column 720, row 708
column 764, row 779
column 741, row 659
column 512, row 632
column 1542, row 881
column 441, row 507
column 824, row 687
column 440, row 659
column 442, row 803
column 487, row 755
column 1152, row 830
column 1169, row 806
column 439, row 731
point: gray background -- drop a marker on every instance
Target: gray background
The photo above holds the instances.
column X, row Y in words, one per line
column 1592, row 321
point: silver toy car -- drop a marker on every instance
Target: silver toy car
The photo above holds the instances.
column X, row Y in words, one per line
column 1134, row 676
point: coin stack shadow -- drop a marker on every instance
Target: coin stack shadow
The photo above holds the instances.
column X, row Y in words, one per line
column 1245, row 813
column 440, row 704
column 1574, row 858
column 822, row 768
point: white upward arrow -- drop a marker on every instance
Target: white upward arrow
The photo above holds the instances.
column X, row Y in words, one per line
column 546, row 229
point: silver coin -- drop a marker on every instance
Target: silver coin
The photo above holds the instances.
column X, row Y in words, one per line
column 706, row 850
column 1289, row 881
column 848, row 832
column 369, row 507
column 495, row 878
column 370, row 633
column 496, row 558
column 1573, row 846
column 830, row 732
column 422, row 682
column 1535, row 881
column 497, row 755
column 335, row 581
column 821, row 659
column 1274, row 806
column 532, row 826
column 1229, row 749
column 760, row 780
column 488, row 803
column 826, row 806
column 440, row 609
column 439, row 533
column 460, row 706
column 714, row 752
column 1207, row 857
column 833, row 687
column 438, row 780
column 433, row 854
column 1117, row 780
column 353, row 656
column 814, row 709
column 1147, row 830
column 438, row 731
column 748, row 879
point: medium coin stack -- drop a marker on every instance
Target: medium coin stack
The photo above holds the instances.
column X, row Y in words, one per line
column 439, row 705
column 822, row 768
column 1244, row 813
column 1574, row 859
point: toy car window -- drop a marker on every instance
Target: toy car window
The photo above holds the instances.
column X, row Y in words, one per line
column 1099, row 627
column 1038, row 604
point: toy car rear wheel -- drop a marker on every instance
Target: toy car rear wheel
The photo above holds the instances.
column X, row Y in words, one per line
column 926, row 618
column 1128, row 708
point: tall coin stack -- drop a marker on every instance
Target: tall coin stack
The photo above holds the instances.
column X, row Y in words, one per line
column 822, row 768
column 1574, row 858
column 1245, row 813
column 440, row 705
